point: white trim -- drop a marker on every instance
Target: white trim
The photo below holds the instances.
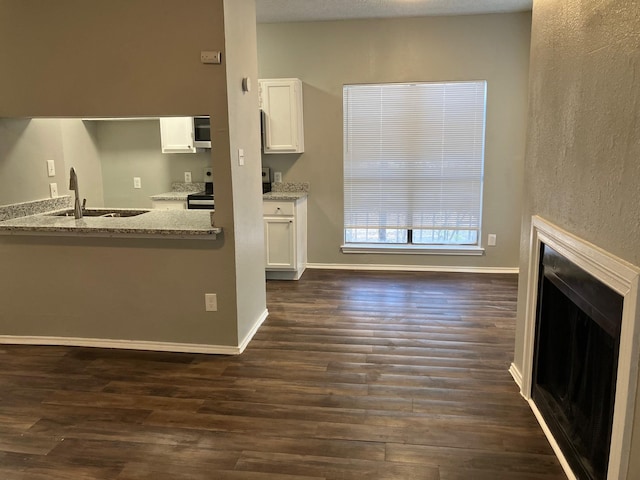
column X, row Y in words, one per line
column 517, row 376
column 136, row 344
column 622, row 277
column 552, row 442
column 249, row 336
column 405, row 249
column 411, row 268
column 284, row 274
column 122, row 344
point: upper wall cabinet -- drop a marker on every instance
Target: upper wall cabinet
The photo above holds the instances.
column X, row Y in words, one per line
column 281, row 105
column 176, row 134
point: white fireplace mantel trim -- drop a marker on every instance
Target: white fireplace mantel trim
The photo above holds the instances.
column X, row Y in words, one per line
column 622, row 277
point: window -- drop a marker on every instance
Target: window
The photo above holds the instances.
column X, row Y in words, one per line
column 413, row 163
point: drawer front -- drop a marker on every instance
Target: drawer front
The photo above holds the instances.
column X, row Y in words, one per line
column 277, row 208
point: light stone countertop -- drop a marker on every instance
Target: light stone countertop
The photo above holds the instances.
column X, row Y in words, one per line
column 284, row 195
column 151, row 224
column 179, row 191
column 170, row 196
column 287, row 191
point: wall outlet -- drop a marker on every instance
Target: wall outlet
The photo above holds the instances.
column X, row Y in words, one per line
column 491, row 240
column 277, row 177
column 53, row 190
column 137, row 183
column 210, row 302
column 187, row 177
column 51, row 168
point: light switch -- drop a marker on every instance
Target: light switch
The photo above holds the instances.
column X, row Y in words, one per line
column 240, row 156
column 51, row 168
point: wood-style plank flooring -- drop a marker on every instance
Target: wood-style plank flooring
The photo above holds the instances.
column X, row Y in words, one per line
column 354, row 375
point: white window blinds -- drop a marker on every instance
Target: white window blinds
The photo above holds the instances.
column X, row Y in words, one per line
column 414, row 155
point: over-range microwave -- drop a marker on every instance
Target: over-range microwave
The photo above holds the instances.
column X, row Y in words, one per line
column 202, row 132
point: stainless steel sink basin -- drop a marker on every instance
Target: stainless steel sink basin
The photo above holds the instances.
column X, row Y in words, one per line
column 101, row 212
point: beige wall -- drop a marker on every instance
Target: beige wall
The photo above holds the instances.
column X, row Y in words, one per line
column 583, row 147
column 244, row 133
column 326, row 55
column 132, row 149
column 26, row 145
column 123, row 58
column 80, row 148
column 109, row 58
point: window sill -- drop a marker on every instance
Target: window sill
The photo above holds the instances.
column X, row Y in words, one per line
column 413, row 249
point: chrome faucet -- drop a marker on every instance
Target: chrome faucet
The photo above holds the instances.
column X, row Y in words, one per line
column 73, row 185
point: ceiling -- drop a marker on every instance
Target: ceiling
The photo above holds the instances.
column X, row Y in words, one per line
column 272, row 11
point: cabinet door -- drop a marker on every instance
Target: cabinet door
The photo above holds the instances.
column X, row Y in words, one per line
column 280, row 243
column 176, row 135
column 281, row 103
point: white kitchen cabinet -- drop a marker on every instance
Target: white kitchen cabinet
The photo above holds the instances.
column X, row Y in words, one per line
column 176, row 135
column 285, row 236
column 282, row 119
column 169, row 204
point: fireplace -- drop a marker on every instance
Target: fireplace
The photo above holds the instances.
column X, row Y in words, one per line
column 575, row 361
column 582, row 311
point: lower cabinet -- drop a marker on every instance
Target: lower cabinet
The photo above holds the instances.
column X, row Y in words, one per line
column 285, row 236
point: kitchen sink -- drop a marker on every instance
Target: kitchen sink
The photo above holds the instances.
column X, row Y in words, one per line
column 101, row 212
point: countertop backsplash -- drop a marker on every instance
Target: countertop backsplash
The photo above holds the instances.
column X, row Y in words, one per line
column 187, row 187
column 17, row 210
column 290, row 187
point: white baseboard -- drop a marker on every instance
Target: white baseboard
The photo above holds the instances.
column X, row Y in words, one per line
column 253, row 331
column 122, row 344
column 135, row 344
column 552, row 441
column 517, row 376
column 411, row 268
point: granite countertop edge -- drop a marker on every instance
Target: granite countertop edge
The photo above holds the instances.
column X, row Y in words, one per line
column 151, row 224
column 170, row 196
column 284, row 195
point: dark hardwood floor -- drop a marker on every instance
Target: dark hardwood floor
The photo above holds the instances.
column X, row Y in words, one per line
column 354, row 375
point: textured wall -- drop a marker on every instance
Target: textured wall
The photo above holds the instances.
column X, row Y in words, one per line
column 582, row 166
column 327, row 55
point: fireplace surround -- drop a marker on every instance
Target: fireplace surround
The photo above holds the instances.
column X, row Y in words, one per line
column 622, row 279
column 575, row 361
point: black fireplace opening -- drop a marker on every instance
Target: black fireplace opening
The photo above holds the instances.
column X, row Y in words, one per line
column 576, row 361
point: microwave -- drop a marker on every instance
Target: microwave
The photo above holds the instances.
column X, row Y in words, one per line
column 202, row 132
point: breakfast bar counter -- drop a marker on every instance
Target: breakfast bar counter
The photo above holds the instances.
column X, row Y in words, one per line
column 114, row 222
